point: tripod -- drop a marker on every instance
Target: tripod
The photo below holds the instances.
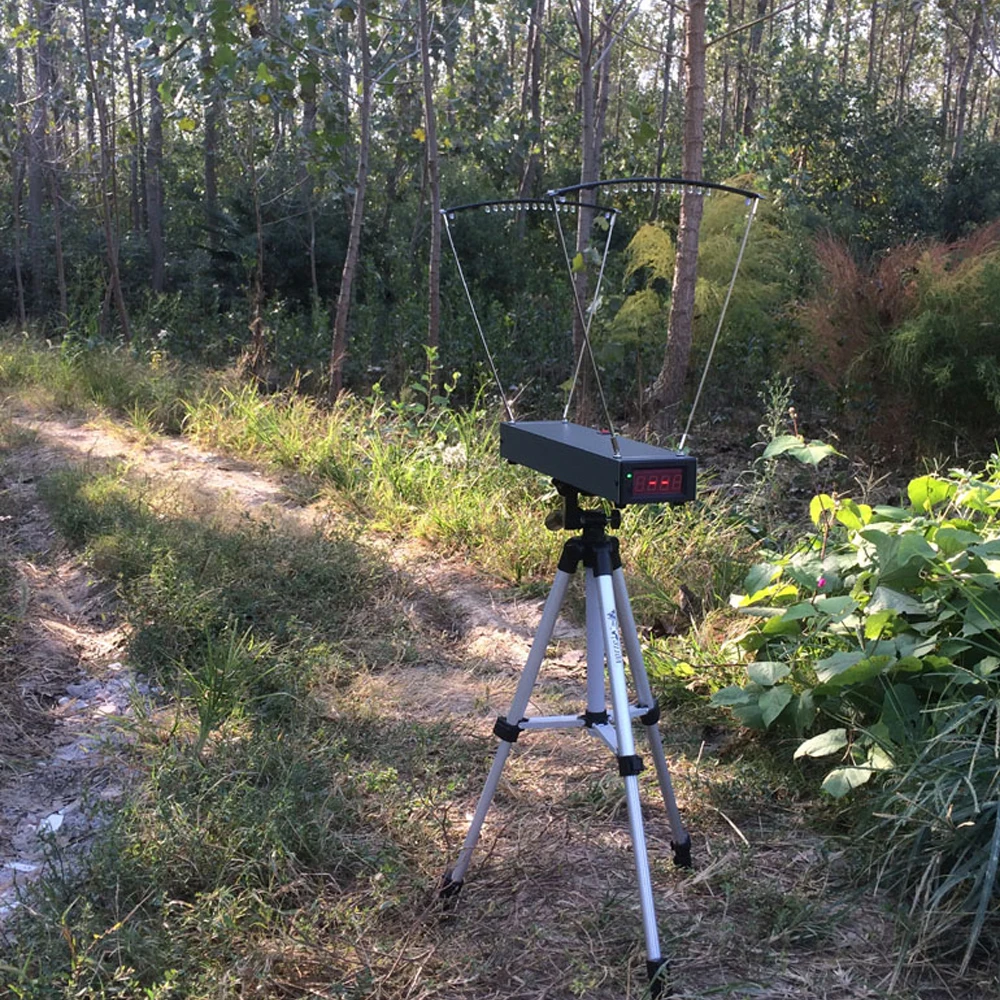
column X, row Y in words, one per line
column 609, row 622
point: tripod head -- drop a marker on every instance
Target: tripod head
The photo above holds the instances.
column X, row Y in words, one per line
column 573, row 517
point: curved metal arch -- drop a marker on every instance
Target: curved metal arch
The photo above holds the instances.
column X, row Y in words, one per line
column 675, row 182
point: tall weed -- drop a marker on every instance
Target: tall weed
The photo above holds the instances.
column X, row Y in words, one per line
column 902, row 338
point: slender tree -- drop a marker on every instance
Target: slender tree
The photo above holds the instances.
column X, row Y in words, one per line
column 668, row 389
column 338, row 351
column 107, row 179
column 433, row 184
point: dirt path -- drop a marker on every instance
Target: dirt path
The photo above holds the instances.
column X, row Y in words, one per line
column 763, row 901
column 67, row 686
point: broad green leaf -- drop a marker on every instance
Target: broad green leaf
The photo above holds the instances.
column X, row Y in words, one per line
column 854, row 515
column 983, row 615
column 887, row 599
column 951, row 541
column 750, row 715
column 223, row 56
column 828, row 668
column 797, row 612
column 578, row 263
column 987, row 666
column 975, row 498
column 900, row 557
column 773, row 701
column 842, row 780
column 732, row 695
column 774, row 591
column 861, row 672
column 926, row 492
column 767, row 672
column 876, row 624
column 802, row 710
column 879, row 759
column 821, row 507
column 186, row 124
column 264, row 75
column 780, row 625
column 814, row 452
column 901, row 717
column 760, row 576
column 644, row 133
column 832, row 741
column 837, row 607
column 781, row 444
column 886, row 513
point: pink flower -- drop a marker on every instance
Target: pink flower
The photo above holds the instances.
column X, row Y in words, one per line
column 821, row 583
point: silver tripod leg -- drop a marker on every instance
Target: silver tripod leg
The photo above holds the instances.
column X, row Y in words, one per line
column 681, row 840
column 518, row 706
column 629, row 763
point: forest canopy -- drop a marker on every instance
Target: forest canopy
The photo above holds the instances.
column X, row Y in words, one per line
column 261, row 182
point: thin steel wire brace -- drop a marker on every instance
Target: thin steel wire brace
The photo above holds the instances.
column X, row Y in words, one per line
column 722, row 317
column 515, row 205
column 641, row 185
column 475, row 317
column 586, row 319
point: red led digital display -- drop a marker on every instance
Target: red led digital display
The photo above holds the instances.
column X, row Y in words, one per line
column 650, row 483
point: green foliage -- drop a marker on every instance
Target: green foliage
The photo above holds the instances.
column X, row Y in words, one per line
column 81, row 376
column 204, row 592
column 901, row 339
column 938, row 827
column 840, row 161
column 256, row 814
column 945, row 350
column 877, row 622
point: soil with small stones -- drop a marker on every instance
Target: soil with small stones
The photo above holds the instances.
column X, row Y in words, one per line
column 65, row 685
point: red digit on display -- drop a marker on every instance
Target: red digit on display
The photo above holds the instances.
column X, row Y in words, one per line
column 658, row 482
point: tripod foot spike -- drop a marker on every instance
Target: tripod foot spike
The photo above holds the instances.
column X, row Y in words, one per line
column 657, row 969
column 682, row 853
column 449, row 889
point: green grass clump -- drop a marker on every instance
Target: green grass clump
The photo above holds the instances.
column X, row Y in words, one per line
column 259, row 811
column 190, row 577
column 150, row 391
column 938, row 831
column 283, row 849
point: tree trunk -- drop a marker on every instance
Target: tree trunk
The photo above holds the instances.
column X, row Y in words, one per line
column 19, row 145
column 60, row 257
column 339, row 350
column 668, row 389
column 589, row 171
column 134, row 200
column 724, row 104
column 661, row 131
column 210, row 168
column 38, row 150
column 962, row 97
column 154, row 190
column 107, row 180
column 431, row 149
column 531, row 106
column 756, row 36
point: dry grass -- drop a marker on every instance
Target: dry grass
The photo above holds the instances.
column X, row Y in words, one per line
column 549, row 910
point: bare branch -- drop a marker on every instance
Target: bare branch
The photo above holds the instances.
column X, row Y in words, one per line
column 749, row 24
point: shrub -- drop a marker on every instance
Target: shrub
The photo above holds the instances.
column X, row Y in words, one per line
column 901, row 338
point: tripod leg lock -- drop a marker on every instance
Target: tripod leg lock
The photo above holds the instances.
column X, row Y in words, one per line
column 505, row 730
column 652, row 716
column 630, row 765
